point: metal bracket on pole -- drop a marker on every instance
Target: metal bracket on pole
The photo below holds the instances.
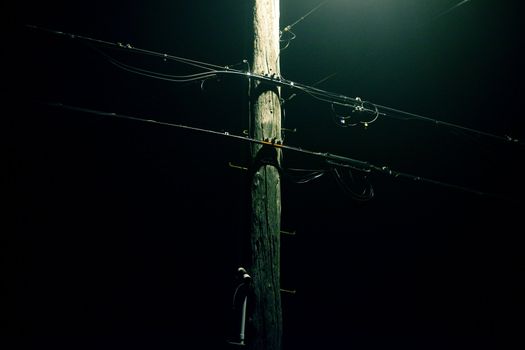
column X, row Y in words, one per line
column 288, row 233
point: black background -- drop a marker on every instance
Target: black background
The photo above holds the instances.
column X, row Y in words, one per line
column 127, row 235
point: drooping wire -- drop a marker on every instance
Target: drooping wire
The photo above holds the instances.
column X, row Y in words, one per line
column 168, row 77
column 367, row 192
column 345, row 120
column 203, row 76
column 303, row 176
column 290, row 36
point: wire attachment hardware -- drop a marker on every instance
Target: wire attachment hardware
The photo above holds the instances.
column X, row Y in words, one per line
column 358, row 108
column 288, row 233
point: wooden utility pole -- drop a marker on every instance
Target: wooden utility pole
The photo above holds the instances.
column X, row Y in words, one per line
column 264, row 264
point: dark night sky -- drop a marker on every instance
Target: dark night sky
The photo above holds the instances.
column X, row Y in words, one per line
column 127, row 235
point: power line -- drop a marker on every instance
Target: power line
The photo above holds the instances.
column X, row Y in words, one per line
column 331, row 159
column 450, row 9
column 290, row 26
column 357, row 103
column 130, row 48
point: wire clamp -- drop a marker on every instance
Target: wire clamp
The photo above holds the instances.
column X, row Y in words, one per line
column 360, row 106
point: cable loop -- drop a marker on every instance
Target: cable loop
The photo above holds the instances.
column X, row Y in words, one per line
column 345, row 120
